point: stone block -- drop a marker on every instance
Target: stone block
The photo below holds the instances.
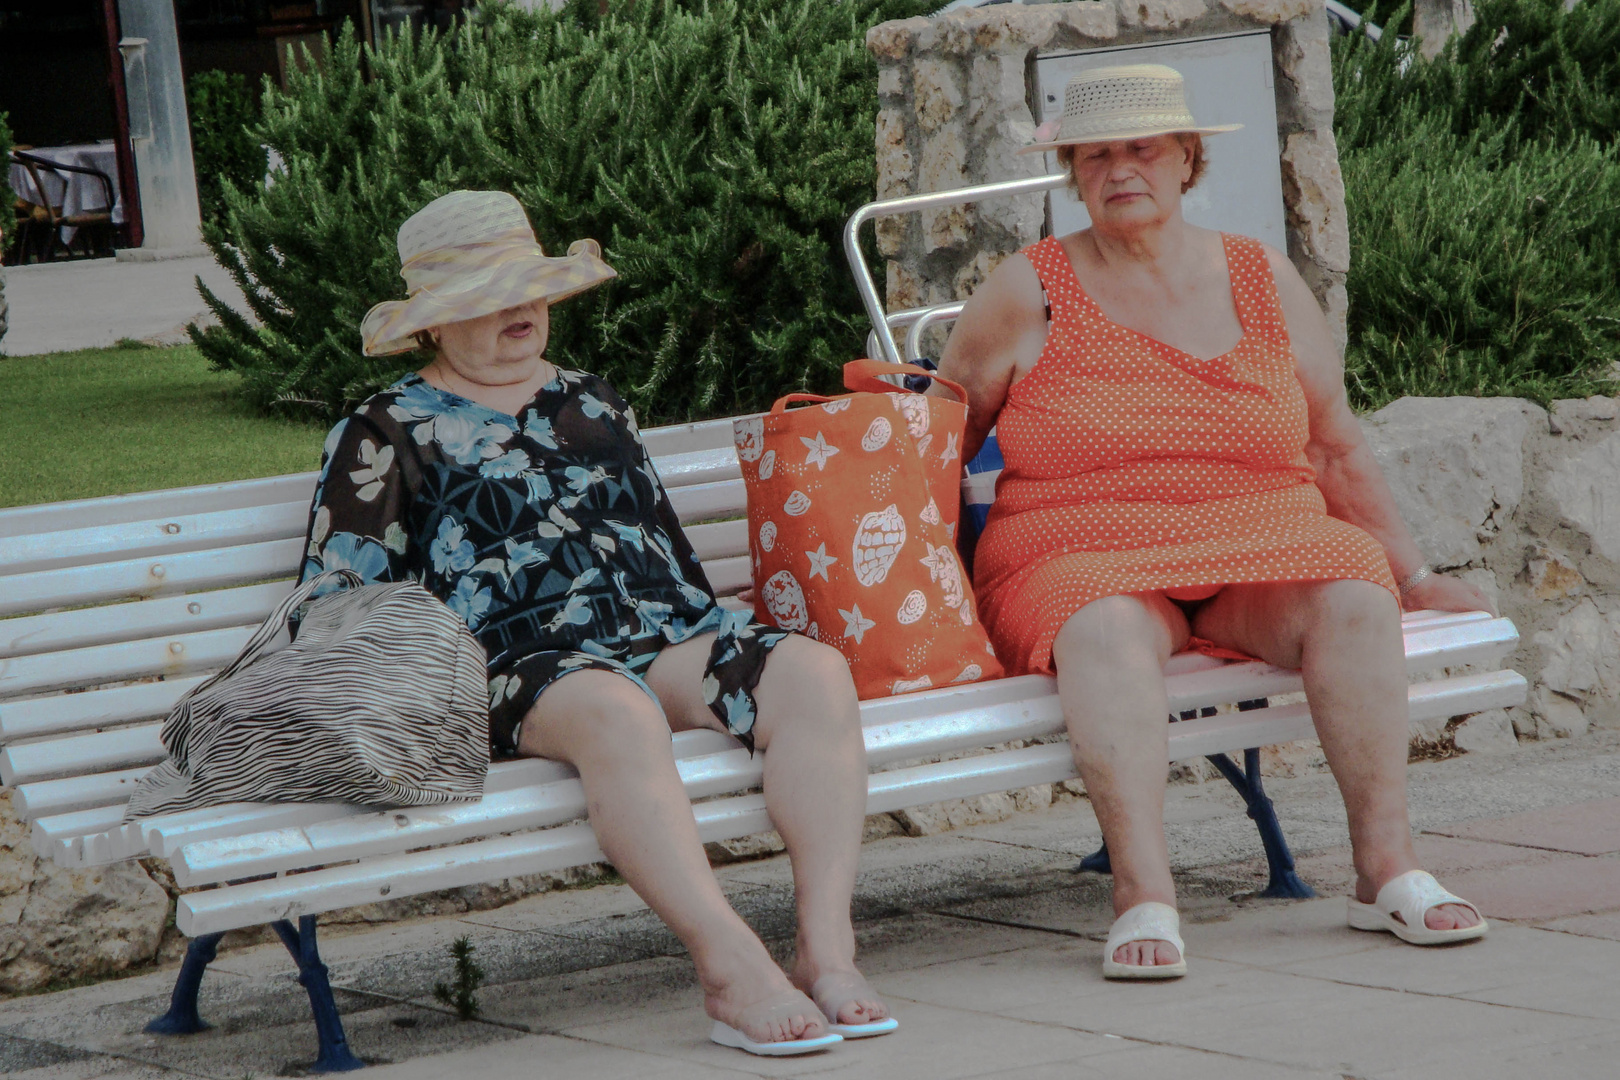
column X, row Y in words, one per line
column 937, row 92
column 891, row 234
column 1096, row 20
column 941, row 817
column 1456, row 467
column 743, row 848
column 1160, row 14
column 61, row 922
column 891, row 81
column 903, row 288
column 895, row 167
column 895, row 39
column 1303, row 59
column 1270, row 11
column 1486, row 733
column 1580, row 654
column 943, row 162
column 1558, row 717
column 1585, row 489
column 1549, row 576
column 973, row 275
column 1313, row 191
column 996, row 88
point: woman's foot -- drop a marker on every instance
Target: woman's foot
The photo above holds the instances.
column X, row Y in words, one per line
column 763, row 1005
column 1440, row 917
column 1147, row 954
column 841, row 993
column 1145, row 943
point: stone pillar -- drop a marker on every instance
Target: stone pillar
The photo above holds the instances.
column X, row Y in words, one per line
column 1434, row 21
column 954, row 96
column 160, row 131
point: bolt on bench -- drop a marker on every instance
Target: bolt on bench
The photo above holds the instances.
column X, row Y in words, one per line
column 111, row 609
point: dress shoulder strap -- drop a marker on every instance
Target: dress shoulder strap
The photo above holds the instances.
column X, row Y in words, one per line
column 1058, row 281
column 1254, row 290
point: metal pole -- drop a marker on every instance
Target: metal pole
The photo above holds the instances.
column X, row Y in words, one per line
column 128, row 184
column 867, row 287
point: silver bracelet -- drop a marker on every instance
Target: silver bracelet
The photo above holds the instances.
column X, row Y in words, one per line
column 1414, row 579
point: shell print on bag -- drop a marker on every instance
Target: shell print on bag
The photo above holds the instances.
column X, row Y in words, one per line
column 877, row 435
column 784, row 599
column 943, row 568
column 833, row 407
column 878, row 540
column 912, row 608
column 903, row 686
column 750, row 438
column 971, row 673
column 797, row 503
column 930, row 513
column 914, row 407
column 767, row 465
column 767, row 535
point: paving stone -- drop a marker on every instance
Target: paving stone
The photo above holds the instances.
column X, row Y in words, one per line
column 18, row 1054
column 1568, row 885
column 1585, row 828
column 546, row 1056
column 1605, row 925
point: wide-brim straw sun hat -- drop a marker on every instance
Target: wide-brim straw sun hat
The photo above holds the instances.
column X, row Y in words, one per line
column 1132, row 101
column 473, row 253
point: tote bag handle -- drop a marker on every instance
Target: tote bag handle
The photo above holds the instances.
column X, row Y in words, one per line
column 179, row 720
column 866, row 375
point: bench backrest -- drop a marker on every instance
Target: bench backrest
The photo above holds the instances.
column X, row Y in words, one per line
column 110, row 609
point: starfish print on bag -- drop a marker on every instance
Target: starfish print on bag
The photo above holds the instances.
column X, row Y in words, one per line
column 818, row 451
column 855, row 624
column 819, row 562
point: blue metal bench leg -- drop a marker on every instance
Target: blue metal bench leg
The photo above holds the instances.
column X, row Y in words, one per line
column 335, row 1055
column 1097, row 862
column 1284, row 882
column 182, row 1017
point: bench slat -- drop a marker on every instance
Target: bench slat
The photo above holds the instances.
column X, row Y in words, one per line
column 319, row 891
column 703, row 502
column 81, row 792
column 689, row 438
column 76, row 755
column 178, row 654
column 158, row 538
column 185, row 572
column 81, row 628
column 151, row 505
column 63, row 713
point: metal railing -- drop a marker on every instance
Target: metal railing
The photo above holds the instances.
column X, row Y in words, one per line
column 916, row 320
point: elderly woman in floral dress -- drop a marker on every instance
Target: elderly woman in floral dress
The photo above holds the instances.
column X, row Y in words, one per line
column 522, row 496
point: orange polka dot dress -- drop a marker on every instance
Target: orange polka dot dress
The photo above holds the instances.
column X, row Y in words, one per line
column 1132, row 466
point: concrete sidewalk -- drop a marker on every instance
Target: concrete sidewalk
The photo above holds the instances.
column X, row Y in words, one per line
column 986, row 942
column 92, row 303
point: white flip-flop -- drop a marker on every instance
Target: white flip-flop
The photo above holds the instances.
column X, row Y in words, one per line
column 726, row 1035
column 831, row 991
column 1411, row 896
column 1151, row 921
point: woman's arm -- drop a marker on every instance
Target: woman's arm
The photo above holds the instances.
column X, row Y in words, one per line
column 996, row 340
column 357, row 519
column 1346, row 471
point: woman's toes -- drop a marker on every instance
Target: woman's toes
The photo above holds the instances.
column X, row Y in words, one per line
column 1146, row 954
column 1449, row 917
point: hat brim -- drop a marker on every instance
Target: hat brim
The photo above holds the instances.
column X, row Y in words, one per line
column 391, row 326
column 1120, row 136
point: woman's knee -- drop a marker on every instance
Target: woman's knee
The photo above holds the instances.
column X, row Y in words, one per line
column 590, row 713
column 1114, row 630
column 1351, row 607
column 810, row 681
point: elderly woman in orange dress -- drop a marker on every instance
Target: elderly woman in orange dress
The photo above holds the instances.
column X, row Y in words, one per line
column 1183, row 470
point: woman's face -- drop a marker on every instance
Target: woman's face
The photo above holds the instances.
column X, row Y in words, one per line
column 503, row 347
column 1132, row 184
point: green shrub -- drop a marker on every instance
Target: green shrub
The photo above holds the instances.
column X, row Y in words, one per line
column 713, row 147
column 1484, row 208
column 8, row 198
column 223, row 145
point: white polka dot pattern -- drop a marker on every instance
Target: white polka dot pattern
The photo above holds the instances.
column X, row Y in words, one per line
column 1132, row 466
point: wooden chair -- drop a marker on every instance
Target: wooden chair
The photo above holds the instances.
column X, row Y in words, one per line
column 46, row 220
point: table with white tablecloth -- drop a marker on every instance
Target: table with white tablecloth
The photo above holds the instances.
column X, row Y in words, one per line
column 72, row 192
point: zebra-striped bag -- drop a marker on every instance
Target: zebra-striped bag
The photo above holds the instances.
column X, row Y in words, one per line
column 381, row 700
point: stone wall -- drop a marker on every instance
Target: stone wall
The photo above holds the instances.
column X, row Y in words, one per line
column 955, row 93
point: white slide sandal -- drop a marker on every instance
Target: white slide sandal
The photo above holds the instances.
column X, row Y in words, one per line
column 1410, row 896
column 1151, row 921
column 831, row 991
column 726, row 1035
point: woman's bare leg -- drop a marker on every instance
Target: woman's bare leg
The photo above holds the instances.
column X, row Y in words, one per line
column 1110, row 659
column 1345, row 637
column 809, row 729
column 618, row 739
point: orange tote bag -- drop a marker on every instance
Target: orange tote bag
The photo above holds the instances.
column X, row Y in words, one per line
column 852, row 503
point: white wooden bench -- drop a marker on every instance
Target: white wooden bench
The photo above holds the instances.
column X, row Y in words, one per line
column 112, row 608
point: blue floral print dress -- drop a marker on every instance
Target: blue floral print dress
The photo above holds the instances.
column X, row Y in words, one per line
column 548, row 532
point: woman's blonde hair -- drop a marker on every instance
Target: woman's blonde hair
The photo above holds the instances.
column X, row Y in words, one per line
column 1065, row 156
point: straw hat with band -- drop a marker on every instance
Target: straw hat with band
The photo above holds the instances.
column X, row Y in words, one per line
column 473, row 253
column 1135, row 101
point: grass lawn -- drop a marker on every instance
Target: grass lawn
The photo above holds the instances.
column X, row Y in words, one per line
column 112, row 421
